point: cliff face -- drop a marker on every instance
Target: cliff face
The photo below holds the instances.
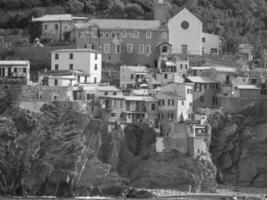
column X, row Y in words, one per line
column 239, row 146
column 62, row 151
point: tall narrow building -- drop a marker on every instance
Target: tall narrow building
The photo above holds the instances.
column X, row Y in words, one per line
column 160, row 8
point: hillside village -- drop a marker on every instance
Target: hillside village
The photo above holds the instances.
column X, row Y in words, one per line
column 162, row 82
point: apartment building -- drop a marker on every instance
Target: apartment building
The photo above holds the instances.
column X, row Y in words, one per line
column 122, row 40
column 87, row 60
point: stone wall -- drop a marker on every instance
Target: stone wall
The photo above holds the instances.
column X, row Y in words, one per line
column 234, row 104
column 19, row 93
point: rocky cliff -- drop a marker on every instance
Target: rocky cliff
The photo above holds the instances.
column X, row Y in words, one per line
column 239, row 146
column 62, row 151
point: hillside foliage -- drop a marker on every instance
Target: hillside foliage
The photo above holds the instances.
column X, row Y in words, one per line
column 236, row 21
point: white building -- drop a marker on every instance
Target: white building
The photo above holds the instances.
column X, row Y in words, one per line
column 55, row 27
column 63, row 78
column 87, row 60
column 15, row 69
column 186, row 35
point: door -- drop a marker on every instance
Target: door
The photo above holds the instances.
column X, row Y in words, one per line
column 184, row 49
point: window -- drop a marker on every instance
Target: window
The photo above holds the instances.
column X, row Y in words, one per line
column 202, row 99
column 114, row 93
column 71, row 66
column 71, row 55
column 135, row 34
column 117, row 48
column 190, row 104
column 113, row 35
column 55, row 98
column 55, row 82
column 173, row 102
column 106, row 48
column 94, row 33
column 24, row 70
column 169, row 102
column 45, row 27
column 124, row 34
column 141, row 49
column 56, row 26
column 153, row 106
column 106, row 93
column 132, row 76
column 182, row 103
column 164, row 49
column 163, row 102
column 203, row 40
column 95, row 80
column 165, row 76
column 148, row 49
column 214, row 50
column 96, row 56
column 79, row 79
column 56, row 56
column 186, row 66
column 106, row 35
column 185, row 25
column 15, row 70
column 81, row 34
column 95, row 66
column 56, row 66
column 148, row 34
column 129, row 48
column 85, row 79
column 181, row 66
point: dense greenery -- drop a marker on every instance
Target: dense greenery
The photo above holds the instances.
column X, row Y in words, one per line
column 235, row 20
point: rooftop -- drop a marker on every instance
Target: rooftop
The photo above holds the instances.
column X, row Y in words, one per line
column 173, row 95
column 76, row 50
column 108, row 88
column 122, row 24
column 140, row 98
column 138, row 69
column 47, row 18
column 248, row 87
column 64, row 73
column 216, row 68
column 200, row 79
column 14, row 62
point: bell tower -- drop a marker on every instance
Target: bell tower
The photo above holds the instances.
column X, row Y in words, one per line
column 160, row 9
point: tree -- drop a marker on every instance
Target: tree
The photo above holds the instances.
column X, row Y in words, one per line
column 74, row 6
column 134, row 11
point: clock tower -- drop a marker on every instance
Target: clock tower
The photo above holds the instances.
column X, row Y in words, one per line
column 160, row 8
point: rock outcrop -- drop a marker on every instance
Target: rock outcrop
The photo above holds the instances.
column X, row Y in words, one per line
column 239, row 146
column 61, row 151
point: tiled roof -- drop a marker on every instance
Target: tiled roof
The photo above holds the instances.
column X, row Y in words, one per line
column 122, row 24
column 140, row 69
column 248, row 87
column 14, row 62
column 64, row 73
column 47, row 18
column 201, row 79
column 76, row 50
column 140, row 98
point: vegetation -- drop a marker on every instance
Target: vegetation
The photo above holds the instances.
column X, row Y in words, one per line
column 236, row 21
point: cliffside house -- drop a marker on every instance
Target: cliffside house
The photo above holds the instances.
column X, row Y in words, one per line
column 57, row 28
column 137, row 77
column 86, row 60
column 129, row 110
column 205, row 91
column 14, row 72
column 63, row 78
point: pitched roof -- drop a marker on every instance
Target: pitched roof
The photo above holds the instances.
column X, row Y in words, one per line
column 76, row 50
column 248, row 87
column 47, row 18
column 14, row 62
column 139, row 69
column 108, row 88
column 173, row 95
column 140, row 98
column 122, row 24
column 200, row 79
column 64, row 73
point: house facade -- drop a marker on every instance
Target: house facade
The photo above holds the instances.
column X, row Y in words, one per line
column 16, row 70
column 205, row 91
column 87, row 60
column 57, row 28
column 123, row 41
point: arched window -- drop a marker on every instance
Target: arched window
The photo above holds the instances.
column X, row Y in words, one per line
column 164, row 49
